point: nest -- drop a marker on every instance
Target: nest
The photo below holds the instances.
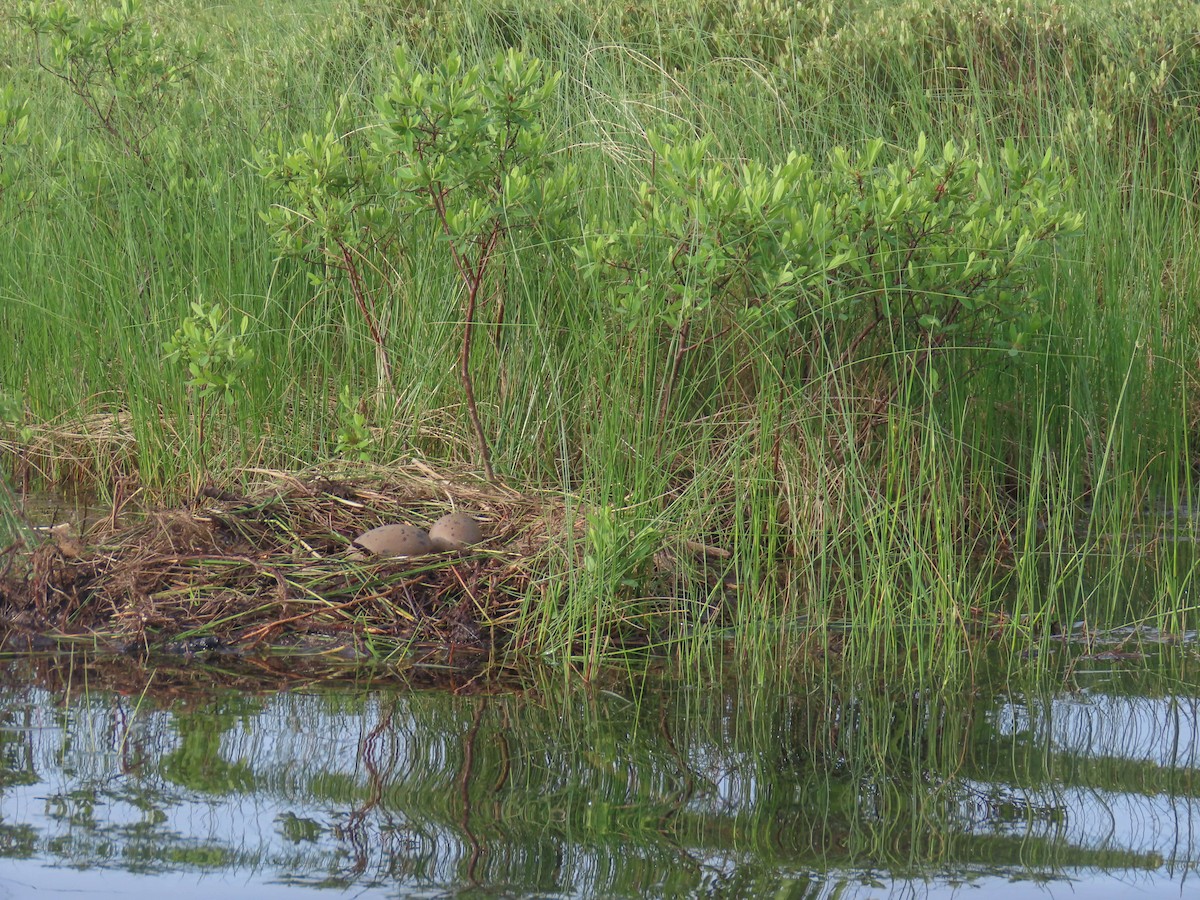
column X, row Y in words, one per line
column 273, row 565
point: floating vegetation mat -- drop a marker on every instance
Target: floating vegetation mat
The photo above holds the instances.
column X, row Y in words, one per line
column 275, row 565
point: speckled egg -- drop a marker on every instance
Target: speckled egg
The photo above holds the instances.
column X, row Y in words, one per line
column 455, row 531
column 394, row 540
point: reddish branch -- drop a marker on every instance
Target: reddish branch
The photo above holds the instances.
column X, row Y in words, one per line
column 472, row 276
column 360, row 298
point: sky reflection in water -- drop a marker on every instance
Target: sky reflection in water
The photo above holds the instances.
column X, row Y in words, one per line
column 545, row 787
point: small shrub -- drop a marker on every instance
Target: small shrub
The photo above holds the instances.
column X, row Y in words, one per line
column 354, row 439
column 120, row 68
column 461, row 152
column 214, row 350
column 215, row 353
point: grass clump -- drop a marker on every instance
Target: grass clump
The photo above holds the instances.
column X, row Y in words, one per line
column 885, row 305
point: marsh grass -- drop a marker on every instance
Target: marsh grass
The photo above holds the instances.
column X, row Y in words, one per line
column 14, row 531
column 896, row 519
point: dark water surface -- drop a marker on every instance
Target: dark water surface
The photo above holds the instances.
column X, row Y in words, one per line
column 125, row 778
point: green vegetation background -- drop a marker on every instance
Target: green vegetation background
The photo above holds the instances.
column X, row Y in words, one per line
column 849, row 491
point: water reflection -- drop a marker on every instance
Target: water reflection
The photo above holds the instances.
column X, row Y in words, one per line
column 540, row 786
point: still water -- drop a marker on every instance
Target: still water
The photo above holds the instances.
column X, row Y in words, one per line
column 234, row 779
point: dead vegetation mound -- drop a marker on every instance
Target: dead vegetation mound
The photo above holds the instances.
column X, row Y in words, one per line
column 275, row 562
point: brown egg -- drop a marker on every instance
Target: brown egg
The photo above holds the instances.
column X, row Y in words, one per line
column 455, row 531
column 394, row 540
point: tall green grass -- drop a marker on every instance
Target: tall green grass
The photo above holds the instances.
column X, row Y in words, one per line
column 893, row 536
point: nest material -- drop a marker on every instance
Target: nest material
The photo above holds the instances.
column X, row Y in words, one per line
column 273, row 563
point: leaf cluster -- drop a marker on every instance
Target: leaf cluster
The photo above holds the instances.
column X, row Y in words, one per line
column 468, row 145
column 941, row 245
column 123, row 71
column 462, row 145
column 330, row 207
column 213, row 348
column 354, row 437
column 938, row 248
column 710, row 238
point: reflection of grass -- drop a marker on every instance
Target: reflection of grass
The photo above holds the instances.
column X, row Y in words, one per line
column 619, row 788
column 880, row 529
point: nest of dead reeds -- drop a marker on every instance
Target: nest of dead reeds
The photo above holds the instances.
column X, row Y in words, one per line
column 274, row 563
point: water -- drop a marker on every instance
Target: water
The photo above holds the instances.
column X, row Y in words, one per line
column 126, row 779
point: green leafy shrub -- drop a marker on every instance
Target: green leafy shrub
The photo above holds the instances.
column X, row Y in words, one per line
column 940, row 250
column 120, row 68
column 215, row 353
column 881, row 252
column 213, row 350
column 331, row 215
column 460, row 158
column 354, row 437
column 712, row 244
column 468, row 150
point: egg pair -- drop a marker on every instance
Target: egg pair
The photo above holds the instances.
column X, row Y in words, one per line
column 453, row 531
